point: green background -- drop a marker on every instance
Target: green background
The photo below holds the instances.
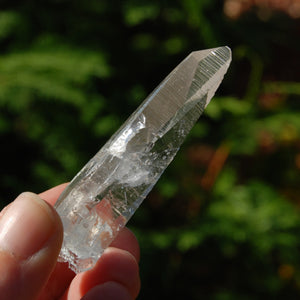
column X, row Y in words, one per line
column 223, row 222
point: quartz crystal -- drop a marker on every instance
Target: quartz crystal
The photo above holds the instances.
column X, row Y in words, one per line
column 103, row 196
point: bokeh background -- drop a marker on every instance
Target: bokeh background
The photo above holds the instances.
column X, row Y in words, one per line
column 223, row 222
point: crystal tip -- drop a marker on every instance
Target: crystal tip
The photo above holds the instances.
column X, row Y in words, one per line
column 223, row 53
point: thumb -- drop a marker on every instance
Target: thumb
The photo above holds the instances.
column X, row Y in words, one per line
column 30, row 240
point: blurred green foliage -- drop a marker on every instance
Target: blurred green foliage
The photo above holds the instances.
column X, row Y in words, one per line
column 223, row 221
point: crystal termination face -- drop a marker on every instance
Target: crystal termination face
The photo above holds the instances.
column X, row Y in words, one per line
column 104, row 195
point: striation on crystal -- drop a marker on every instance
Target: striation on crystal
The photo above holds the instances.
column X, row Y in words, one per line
column 104, row 195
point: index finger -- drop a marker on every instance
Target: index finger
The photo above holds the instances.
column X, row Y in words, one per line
column 52, row 195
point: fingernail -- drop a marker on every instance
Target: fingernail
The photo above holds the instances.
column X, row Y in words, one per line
column 26, row 225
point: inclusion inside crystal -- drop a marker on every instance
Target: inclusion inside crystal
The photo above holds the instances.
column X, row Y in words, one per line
column 111, row 186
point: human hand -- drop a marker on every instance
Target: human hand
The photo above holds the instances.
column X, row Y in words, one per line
column 30, row 240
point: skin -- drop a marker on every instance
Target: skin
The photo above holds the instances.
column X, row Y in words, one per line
column 30, row 240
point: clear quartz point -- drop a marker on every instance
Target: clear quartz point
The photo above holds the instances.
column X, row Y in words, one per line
column 104, row 195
